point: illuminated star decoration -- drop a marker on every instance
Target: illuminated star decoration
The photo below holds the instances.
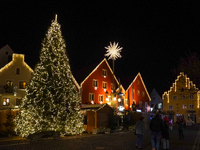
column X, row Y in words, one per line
column 113, row 51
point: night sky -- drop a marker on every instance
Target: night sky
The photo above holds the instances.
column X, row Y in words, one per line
column 154, row 34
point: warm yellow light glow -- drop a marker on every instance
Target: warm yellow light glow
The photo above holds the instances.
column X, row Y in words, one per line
column 92, row 102
column 95, row 88
column 107, row 99
column 113, row 51
column 109, row 103
column 119, row 99
column 14, row 57
column 114, row 98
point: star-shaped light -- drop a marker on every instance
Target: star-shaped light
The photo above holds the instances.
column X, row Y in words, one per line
column 113, row 51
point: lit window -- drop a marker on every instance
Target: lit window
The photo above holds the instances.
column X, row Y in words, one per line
column 138, row 92
column 191, row 96
column 17, row 70
column 22, row 85
column 126, row 101
column 18, row 101
column 184, row 106
column 9, row 86
column 91, row 96
column 95, row 83
column 159, row 105
column 140, row 103
column 191, row 106
column 104, row 72
column 182, row 97
column 104, row 85
column 6, row 101
column 170, row 107
column 101, row 98
column 174, row 97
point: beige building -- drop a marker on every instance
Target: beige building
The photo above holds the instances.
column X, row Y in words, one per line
column 183, row 99
column 14, row 77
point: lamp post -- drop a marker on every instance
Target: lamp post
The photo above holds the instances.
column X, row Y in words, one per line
column 113, row 52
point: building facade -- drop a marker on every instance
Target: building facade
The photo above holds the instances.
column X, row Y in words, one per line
column 156, row 101
column 182, row 99
column 14, row 77
column 136, row 95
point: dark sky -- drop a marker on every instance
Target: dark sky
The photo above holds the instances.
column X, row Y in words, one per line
column 154, row 34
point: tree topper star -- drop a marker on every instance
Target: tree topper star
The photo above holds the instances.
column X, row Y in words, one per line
column 113, row 51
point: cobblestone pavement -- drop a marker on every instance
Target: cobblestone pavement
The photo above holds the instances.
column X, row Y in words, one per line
column 124, row 140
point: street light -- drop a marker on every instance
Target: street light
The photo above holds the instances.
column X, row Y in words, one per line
column 113, row 52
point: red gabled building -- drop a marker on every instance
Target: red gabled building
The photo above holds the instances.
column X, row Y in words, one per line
column 136, row 94
column 96, row 83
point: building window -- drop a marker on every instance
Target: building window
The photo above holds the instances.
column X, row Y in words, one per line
column 18, row 101
column 191, row 106
column 6, row 101
column 174, row 97
column 91, row 96
column 146, row 104
column 133, row 92
column 9, row 86
column 159, row 105
column 104, row 72
column 182, row 97
column 17, row 70
column 101, row 98
column 184, row 106
column 126, row 101
column 170, row 107
column 140, row 103
column 138, row 92
column 22, row 85
column 95, row 83
column 112, row 86
column 104, row 85
column 182, row 89
column 191, row 96
column 143, row 93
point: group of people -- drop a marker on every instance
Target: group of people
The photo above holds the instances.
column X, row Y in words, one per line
column 159, row 130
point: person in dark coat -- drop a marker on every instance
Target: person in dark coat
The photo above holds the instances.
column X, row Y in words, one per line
column 140, row 128
column 165, row 134
column 181, row 126
column 156, row 126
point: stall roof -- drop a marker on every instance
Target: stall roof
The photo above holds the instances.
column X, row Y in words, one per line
column 94, row 107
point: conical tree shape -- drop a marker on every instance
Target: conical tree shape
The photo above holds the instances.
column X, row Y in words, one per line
column 51, row 102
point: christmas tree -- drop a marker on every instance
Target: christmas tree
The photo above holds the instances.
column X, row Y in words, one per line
column 51, row 102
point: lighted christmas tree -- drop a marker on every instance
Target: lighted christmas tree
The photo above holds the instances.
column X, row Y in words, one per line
column 51, row 102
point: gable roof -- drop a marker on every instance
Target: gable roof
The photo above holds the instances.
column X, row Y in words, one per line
column 14, row 56
column 6, row 47
column 138, row 75
column 83, row 74
column 94, row 107
column 157, row 99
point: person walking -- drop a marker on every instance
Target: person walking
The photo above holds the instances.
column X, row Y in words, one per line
column 140, row 128
column 165, row 134
column 181, row 126
column 156, row 126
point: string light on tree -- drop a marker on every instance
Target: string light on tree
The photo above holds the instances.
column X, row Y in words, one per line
column 51, row 102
